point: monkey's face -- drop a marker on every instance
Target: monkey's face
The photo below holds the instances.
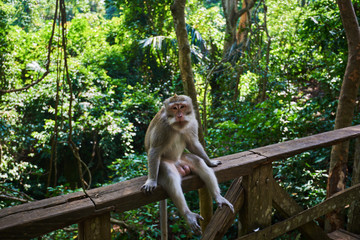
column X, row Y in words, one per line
column 179, row 114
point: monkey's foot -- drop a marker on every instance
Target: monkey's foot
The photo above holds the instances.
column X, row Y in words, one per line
column 192, row 220
column 221, row 201
column 149, row 186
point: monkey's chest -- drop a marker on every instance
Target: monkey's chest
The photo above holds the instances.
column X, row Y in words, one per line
column 175, row 148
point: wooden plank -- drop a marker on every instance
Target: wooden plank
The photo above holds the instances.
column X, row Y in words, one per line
column 37, row 218
column 206, row 207
column 354, row 209
column 95, row 228
column 127, row 195
column 224, row 218
column 257, row 209
column 288, row 207
column 338, row 200
column 40, row 217
column 54, row 201
column 163, row 219
column 293, row 147
column 341, row 234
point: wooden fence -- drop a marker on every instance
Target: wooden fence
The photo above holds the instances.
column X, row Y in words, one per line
column 253, row 192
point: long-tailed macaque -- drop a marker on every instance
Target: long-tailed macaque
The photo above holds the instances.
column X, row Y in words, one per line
column 173, row 129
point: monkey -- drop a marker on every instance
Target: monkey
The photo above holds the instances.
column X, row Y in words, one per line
column 174, row 129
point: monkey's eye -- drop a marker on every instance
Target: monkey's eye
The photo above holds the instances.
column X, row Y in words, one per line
column 182, row 106
column 174, row 108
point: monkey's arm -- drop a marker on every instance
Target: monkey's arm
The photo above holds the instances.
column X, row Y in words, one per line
column 154, row 155
column 195, row 147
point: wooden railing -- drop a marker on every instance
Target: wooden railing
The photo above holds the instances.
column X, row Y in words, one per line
column 253, row 193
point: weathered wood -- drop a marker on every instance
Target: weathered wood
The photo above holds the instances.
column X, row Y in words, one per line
column 40, row 217
column 257, row 209
column 163, row 219
column 287, row 207
column 341, row 234
column 354, row 210
column 338, row 200
column 223, row 218
column 95, row 228
column 293, row 147
column 54, row 201
column 206, row 207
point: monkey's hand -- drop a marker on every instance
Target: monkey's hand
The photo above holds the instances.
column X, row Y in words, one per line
column 149, row 186
column 221, row 201
column 213, row 163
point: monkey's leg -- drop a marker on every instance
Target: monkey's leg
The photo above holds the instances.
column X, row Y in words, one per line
column 199, row 167
column 170, row 180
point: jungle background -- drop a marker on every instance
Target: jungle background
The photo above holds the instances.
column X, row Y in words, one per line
column 278, row 79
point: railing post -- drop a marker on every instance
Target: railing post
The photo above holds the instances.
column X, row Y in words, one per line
column 354, row 210
column 256, row 212
column 163, row 219
column 95, row 228
column 206, row 207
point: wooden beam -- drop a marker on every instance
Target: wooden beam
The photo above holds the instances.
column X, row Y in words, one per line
column 341, row 234
column 290, row 148
column 40, row 217
column 95, row 228
column 354, row 209
column 163, row 219
column 122, row 195
column 338, row 200
column 287, row 207
column 206, row 207
column 224, row 218
column 257, row 209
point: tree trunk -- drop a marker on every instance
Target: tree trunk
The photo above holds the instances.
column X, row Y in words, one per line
column 235, row 41
column 178, row 13
column 234, row 37
column 264, row 79
column 230, row 8
column 345, row 109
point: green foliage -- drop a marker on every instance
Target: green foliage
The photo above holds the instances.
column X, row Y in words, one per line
column 127, row 168
column 301, row 96
column 310, row 189
column 123, row 62
column 143, row 223
column 101, row 123
column 69, row 232
column 5, row 11
column 140, row 107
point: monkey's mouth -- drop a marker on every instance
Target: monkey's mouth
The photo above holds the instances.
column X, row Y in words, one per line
column 181, row 124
